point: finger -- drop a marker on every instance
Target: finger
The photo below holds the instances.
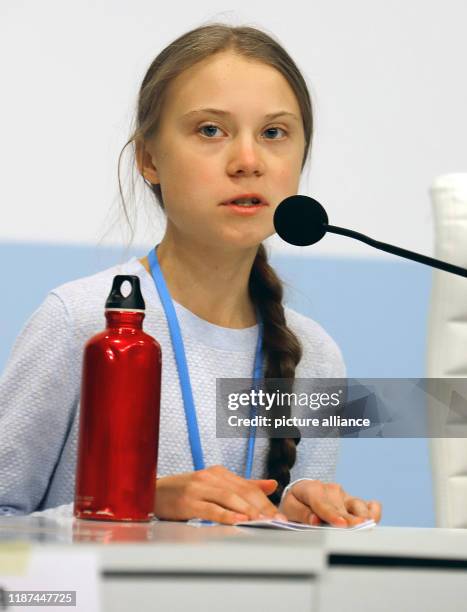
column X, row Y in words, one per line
column 314, row 495
column 250, row 492
column 296, row 511
column 358, row 507
column 267, row 485
column 231, row 500
column 245, row 489
column 339, row 498
column 213, row 512
column 375, row 510
column 258, row 497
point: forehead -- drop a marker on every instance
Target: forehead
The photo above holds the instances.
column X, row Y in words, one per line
column 228, row 80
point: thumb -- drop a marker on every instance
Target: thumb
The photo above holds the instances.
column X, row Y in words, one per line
column 266, row 484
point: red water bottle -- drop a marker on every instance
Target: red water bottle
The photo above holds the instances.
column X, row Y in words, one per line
column 119, row 414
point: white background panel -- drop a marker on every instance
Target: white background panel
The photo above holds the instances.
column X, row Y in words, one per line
column 387, row 81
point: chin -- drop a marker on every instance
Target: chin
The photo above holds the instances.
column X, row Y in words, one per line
column 243, row 238
column 242, row 242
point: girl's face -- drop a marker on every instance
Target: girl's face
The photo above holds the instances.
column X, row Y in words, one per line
column 202, row 158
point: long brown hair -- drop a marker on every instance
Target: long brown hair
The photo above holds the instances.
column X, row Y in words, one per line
column 281, row 347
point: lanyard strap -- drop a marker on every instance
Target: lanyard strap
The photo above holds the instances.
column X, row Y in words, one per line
column 183, row 374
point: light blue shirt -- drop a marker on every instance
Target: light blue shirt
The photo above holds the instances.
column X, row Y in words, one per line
column 40, row 390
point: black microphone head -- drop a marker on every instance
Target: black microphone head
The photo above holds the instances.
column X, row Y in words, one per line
column 300, row 220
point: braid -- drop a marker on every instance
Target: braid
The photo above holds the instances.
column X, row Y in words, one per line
column 282, row 351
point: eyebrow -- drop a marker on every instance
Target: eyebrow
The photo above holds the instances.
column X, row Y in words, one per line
column 223, row 113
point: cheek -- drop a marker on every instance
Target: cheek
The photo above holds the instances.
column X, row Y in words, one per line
column 293, row 170
column 288, row 175
column 208, row 176
column 194, row 170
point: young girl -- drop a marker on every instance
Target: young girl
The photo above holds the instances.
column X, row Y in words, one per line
column 223, row 115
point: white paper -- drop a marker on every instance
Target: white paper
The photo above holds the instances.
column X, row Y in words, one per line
column 272, row 524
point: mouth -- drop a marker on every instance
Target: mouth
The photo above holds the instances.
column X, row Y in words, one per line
column 246, row 200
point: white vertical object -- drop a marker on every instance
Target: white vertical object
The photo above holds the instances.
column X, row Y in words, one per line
column 447, row 345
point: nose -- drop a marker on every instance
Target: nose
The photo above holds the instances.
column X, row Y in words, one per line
column 245, row 158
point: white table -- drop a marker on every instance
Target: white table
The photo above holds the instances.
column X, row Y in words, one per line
column 173, row 566
column 177, row 567
column 395, row 568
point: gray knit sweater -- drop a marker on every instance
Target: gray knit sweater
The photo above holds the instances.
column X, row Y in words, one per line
column 40, row 389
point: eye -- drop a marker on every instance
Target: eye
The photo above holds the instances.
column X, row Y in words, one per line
column 271, row 129
column 212, row 128
column 209, row 126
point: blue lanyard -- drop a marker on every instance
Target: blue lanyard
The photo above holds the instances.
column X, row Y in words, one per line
column 184, row 377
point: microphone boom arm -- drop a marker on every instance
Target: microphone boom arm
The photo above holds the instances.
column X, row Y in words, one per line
column 389, row 248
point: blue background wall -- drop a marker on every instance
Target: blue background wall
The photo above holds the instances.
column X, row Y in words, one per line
column 376, row 310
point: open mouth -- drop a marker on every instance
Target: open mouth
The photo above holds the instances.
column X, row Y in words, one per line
column 247, row 202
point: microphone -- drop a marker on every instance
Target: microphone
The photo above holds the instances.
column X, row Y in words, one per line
column 302, row 221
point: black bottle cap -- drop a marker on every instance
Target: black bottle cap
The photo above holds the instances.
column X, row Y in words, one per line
column 133, row 301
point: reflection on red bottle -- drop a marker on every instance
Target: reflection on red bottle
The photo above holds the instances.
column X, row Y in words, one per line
column 119, row 414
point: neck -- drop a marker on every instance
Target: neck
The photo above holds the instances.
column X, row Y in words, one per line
column 211, row 282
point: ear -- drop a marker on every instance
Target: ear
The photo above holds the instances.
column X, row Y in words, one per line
column 145, row 163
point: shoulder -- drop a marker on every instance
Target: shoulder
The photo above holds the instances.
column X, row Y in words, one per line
column 82, row 300
column 100, row 282
column 66, row 318
column 322, row 356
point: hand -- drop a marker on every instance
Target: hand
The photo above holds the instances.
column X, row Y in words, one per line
column 214, row 494
column 312, row 501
